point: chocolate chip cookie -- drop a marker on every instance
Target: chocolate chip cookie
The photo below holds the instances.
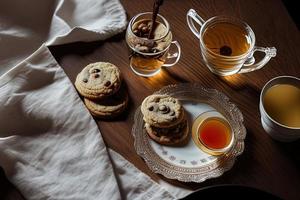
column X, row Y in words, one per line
column 177, row 135
column 165, row 120
column 98, row 80
column 162, row 111
column 109, row 107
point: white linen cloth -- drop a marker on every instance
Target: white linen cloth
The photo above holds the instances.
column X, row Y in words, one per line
column 50, row 147
column 25, row 25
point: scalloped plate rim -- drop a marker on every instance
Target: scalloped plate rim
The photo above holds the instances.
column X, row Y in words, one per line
column 190, row 177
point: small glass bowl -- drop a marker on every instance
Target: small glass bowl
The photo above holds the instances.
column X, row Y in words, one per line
column 204, row 117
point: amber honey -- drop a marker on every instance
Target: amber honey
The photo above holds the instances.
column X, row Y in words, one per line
column 214, row 133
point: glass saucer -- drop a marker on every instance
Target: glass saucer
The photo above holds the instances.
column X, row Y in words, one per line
column 189, row 163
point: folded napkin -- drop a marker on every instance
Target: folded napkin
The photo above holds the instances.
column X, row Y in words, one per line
column 50, row 146
column 25, row 25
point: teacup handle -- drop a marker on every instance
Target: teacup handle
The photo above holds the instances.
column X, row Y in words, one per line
column 250, row 64
column 176, row 54
column 192, row 16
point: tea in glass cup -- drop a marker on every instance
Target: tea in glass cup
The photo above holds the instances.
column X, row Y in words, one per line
column 148, row 56
column 226, row 39
column 227, row 44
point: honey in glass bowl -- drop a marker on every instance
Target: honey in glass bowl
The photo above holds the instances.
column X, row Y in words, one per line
column 213, row 135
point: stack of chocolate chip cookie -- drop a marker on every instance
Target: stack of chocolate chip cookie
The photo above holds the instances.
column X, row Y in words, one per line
column 101, row 86
column 165, row 121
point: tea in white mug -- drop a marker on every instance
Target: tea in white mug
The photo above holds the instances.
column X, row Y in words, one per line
column 282, row 103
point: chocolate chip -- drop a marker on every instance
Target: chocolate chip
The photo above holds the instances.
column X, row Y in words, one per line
column 163, row 108
column 95, row 71
column 148, row 43
column 85, row 80
column 107, row 83
column 225, row 51
column 151, row 108
column 172, row 113
column 117, row 98
column 96, row 75
column 157, row 100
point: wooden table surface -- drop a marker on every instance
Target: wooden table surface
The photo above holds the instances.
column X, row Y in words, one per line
column 265, row 163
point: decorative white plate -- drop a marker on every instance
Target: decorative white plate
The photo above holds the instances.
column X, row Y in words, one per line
column 189, row 163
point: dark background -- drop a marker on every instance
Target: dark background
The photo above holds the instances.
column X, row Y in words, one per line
column 293, row 9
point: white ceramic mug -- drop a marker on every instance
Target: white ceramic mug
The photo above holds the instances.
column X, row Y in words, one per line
column 274, row 128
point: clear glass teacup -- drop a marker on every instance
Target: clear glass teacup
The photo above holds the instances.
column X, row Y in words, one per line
column 148, row 56
column 227, row 44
